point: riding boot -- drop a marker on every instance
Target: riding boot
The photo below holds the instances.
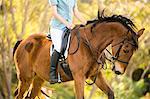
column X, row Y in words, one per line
column 54, row 62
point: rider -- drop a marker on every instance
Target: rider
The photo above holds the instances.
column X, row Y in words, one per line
column 62, row 11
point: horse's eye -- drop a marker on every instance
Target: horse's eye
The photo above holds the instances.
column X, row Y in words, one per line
column 126, row 51
column 127, row 46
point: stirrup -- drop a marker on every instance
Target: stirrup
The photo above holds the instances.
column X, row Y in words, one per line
column 53, row 81
column 56, row 80
column 64, row 64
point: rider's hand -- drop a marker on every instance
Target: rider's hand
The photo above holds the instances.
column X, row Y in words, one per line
column 70, row 26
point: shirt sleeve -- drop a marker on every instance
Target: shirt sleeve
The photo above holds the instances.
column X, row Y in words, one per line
column 53, row 2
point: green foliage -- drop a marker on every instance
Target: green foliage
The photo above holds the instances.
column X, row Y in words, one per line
column 62, row 91
column 127, row 89
column 123, row 87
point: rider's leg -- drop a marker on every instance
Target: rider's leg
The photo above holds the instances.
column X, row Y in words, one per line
column 53, row 65
column 56, row 36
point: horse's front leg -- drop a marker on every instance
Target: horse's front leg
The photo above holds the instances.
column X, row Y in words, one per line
column 101, row 83
column 79, row 84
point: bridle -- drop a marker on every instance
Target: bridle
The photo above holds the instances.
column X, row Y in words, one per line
column 115, row 57
column 97, row 54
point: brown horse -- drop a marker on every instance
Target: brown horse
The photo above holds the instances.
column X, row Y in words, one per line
column 32, row 56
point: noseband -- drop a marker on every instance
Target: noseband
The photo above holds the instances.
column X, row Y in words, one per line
column 116, row 56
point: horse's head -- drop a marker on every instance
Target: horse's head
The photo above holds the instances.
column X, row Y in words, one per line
column 123, row 38
column 118, row 31
column 122, row 50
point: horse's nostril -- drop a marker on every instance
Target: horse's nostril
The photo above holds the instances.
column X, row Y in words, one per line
column 117, row 72
column 126, row 51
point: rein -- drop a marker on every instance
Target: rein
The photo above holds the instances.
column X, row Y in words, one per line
column 94, row 52
column 87, row 42
column 97, row 54
column 113, row 58
column 78, row 38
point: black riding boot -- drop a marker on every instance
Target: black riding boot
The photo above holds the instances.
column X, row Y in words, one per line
column 54, row 62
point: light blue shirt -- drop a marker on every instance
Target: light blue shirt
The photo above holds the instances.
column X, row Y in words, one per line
column 65, row 9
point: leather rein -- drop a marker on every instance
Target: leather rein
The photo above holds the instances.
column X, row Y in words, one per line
column 113, row 57
column 97, row 54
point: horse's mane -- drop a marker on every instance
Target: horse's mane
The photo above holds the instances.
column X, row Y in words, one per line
column 126, row 22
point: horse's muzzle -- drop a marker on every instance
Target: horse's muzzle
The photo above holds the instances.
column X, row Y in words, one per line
column 116, row 71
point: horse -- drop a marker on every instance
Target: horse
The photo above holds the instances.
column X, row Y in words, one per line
column 32, row 55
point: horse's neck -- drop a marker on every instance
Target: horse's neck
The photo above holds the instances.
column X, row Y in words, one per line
column 103, row 42
column 98, row 40
column 105, row 34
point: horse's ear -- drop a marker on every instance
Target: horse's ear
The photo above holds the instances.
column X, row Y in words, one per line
column 140, row 32
column 136, row 75
column 98, row 14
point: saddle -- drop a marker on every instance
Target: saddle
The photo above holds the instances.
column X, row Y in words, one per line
column 62, row 63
